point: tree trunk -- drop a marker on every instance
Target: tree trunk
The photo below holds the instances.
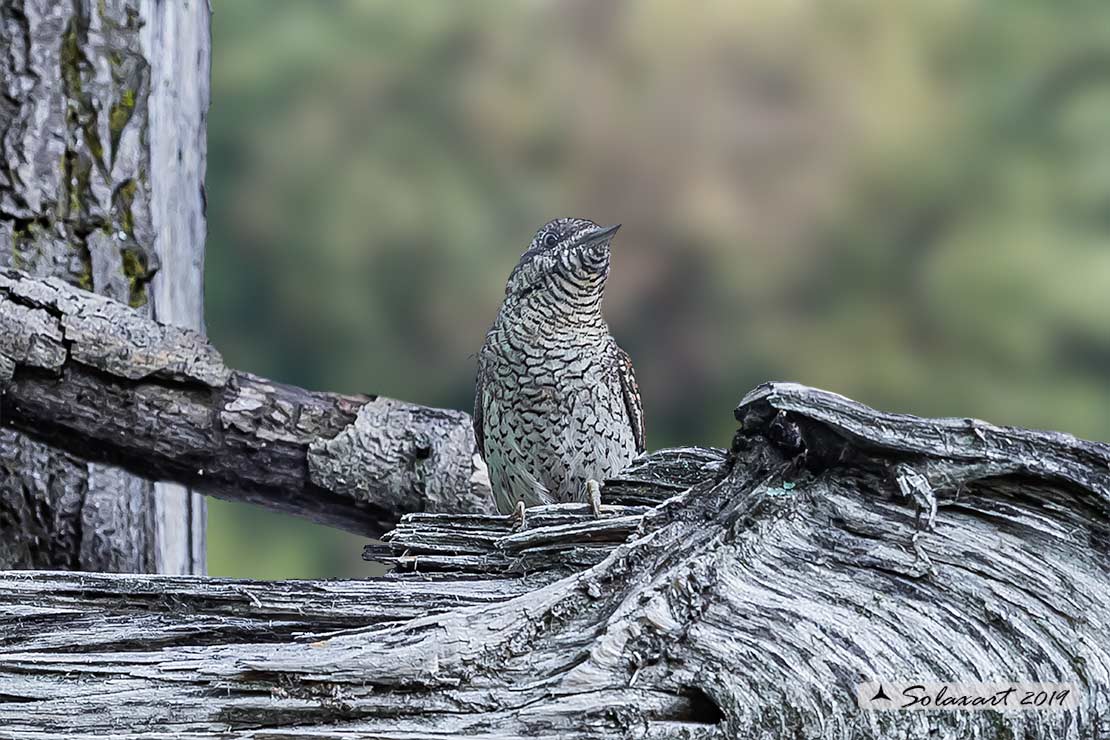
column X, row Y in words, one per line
column 741, row 594
column 102, row 158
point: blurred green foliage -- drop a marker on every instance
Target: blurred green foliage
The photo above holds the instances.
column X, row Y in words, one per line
column 905, row 203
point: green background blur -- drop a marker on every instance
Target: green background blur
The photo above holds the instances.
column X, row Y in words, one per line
column 906, row 203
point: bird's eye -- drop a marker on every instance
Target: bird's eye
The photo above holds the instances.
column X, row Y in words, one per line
column 551, row 239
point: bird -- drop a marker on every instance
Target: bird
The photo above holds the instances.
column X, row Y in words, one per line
column 557, row 409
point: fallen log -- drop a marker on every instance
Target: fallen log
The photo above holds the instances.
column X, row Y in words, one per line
column 721, row 594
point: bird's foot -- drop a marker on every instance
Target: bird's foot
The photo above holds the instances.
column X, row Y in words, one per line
column 518, row 517
column 593, row 497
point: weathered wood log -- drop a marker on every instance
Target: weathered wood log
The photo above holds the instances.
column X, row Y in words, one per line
column 88, row 375
column 102, row 155
column 832, row 545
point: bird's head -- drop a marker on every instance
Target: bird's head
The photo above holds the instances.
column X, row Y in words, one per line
column 572, row 253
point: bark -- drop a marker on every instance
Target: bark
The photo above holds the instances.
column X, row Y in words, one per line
column 102, row 147
column 738, row 594
column 89, row 376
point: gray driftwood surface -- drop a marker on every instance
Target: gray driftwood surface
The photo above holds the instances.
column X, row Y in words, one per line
column 89, row 376
column 739, row 593
column 102, row 157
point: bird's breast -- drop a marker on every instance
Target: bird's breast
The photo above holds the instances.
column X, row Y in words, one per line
column 545, row 370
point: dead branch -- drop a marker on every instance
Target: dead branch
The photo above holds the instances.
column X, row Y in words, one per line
column 92, row 377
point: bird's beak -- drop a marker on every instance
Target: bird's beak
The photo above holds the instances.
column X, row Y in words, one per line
column 599, row 237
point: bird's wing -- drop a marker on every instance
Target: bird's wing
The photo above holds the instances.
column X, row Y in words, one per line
column 479, row 410
column 631, row 392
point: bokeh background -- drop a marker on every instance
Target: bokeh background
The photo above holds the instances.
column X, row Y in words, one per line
column 906, row 203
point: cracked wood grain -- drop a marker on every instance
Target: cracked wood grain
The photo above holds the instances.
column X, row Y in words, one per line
column 747, row 602
column 94, row 378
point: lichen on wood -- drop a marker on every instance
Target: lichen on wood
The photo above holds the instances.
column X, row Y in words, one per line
column 87, row 196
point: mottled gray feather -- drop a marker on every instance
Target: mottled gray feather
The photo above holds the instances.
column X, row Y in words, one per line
column 633, row 404
column 556, row 402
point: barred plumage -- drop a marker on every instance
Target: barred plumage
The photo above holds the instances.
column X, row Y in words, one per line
column 556, row 403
